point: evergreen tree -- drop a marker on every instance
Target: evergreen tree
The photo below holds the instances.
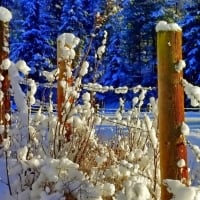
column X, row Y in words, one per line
column 191, row 42
column 33, row 46
column 77, row 17
column 131, row 52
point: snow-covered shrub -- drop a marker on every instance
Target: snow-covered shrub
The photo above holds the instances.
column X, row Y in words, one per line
column 48, row 162
column 192, row 92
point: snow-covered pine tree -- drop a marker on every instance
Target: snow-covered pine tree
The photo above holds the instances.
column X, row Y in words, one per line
column 33, row 46
column 191, row 42
column 131, row 47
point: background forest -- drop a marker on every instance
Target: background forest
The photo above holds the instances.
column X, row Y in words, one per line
column 130, row 57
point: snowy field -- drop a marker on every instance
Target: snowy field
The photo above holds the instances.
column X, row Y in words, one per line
column 192, row 119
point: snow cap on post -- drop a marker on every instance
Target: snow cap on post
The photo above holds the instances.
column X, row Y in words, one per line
column 69, row 40
column 5, row 14
column 164, row 26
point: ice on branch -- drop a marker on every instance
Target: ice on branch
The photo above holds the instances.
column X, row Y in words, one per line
column 23, row 67
column 31, row 93
column 179, row 67
column 95, row 87
column 196, row 151
column 5, row 64
column 121, row 90
column 50, row 76
column 84, row 68
column 164, row 26
column 101, row 50
column 185, row 130
column 135, row 100
column 151, row 130
column 5, row 14
column 192, row 92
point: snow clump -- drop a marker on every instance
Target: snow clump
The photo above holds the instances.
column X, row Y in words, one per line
column 181, row 163
column 84, row 68
column 181, row 191
column 101, row 50
column 67, row 42
column 5, row 64
column 185, row 130
column 5, row 14
column 192, row 92
column 179, row 67
column 50, row 76
column 23, row 67
column 164, row 26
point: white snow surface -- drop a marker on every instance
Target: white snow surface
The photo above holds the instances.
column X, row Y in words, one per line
column 180, row 191
column 5, row 14
column 164, row 26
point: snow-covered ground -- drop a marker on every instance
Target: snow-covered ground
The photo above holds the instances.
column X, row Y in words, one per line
column 3, row 187
column 192, row 119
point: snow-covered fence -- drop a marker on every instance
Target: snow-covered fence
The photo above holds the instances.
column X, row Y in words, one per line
column 5, row 17
column 173, row 150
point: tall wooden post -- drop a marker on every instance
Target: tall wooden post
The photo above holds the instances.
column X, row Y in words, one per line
column 5, row 83
column 171, row 109
column 61, row 77
column 64, row 64
column 65, row 56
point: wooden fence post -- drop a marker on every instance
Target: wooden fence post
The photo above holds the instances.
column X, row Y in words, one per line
column 61, row 77
column 171, row 106
column 66, row 43
column 5, row 83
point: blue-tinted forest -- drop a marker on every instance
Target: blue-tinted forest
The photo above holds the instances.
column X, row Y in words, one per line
column 130, row 57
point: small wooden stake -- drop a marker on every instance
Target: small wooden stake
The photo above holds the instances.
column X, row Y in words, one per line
column 5, row 83
column 62, row 65
column 171, row 109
